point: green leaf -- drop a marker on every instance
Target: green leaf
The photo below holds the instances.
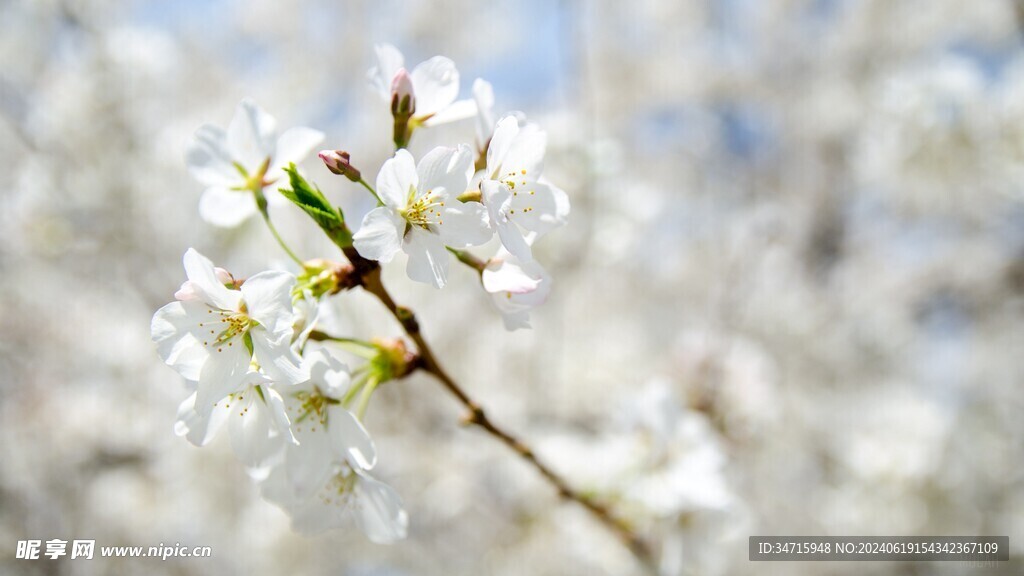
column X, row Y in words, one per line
column 313, row 202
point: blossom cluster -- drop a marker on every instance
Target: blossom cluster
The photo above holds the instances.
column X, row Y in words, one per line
column 246, row 347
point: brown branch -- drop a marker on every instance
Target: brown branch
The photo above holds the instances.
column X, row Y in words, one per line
column 369, row 277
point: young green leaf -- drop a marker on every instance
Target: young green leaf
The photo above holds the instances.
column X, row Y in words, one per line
column 313, row 202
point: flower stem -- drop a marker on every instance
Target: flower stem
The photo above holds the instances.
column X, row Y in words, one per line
column 261, row 203
column 357, row 386
column 364, row 398
column 372, row 191
column 468, row 259
column 273, row 230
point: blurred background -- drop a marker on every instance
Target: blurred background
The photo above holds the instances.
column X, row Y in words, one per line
column 790, row 299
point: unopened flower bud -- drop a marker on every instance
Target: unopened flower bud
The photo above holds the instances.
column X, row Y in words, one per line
column 393, row 360
column 337, row 161
column 321, row 277
column 403, row 100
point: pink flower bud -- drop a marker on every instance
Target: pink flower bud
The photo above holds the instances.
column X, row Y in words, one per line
column 337, row 161
column 403, row 100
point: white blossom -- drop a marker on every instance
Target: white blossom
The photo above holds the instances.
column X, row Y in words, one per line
column 515, row 286
column 522, row 205
column 249, row 154
column 258, row 426
column 215, row 335
column 327, row 434
column 421, row 214
column 434, row 86
column 348, row 495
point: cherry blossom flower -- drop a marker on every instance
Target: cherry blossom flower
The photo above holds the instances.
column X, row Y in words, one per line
column 421, row 214
column 432, row 85
column 258, row 425
column 515, row 287
column 348, row 495
column 521, row 204
column 215, row 335
column 248, row 156
column 326, row 433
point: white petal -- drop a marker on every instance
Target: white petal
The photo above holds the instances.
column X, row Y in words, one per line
column 458, row 110
column 465, row 224
column 379, row 512
column 202, row 275
column 308, row 464
column 188, row 291
column 513, row 241
column 174, row 330
column 389, row 60
column 396, row 178
column 497, row 198
column 447, row 169
column 526, row 153
column 208, row 158
column 292, row 147
column 380, row 235
column 535, row 208
column 505, row 132
column 268, row 298
column 329, row 373
column 276, row 488
column 251, row 136
column 198, row 427
column 436, row 83
column 307, row 315
column 278, row 413
column 249, row 426
column 534, row 298
column 515, row 306
column 273, row 196
column 428, row 258
column 562, row 206
column 508, row 276
column 223, row 373
column 277, row 358
column 350, row 440
column 226, row 208
column 483, row 94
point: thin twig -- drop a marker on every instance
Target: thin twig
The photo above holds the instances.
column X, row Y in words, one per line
column 371, row 282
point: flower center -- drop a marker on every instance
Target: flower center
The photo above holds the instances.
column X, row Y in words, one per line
column 238, row 399
column 510, row 181
column 313, row 406
column 225, row 326
column 256, row 180
column 339, row 489
column 424, row 211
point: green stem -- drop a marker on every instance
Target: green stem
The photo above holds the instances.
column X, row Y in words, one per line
column 364, row 399
column 468, row 259
column 357, row 385
column 261, row 203
column 360, row 348
column 372, row 191
column 273, row 230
